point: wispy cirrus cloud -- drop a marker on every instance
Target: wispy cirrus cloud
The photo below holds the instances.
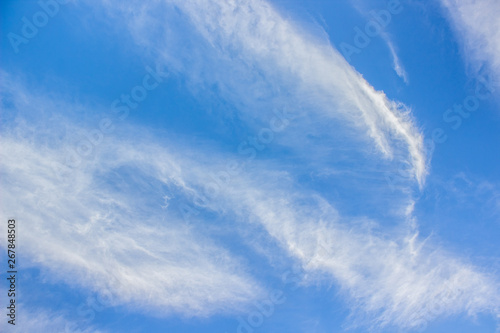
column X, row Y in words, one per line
column 105, row 226
column 253, row 40
column 397, row 65
column 101, row 226
column 389, row 278
column 476, row 22
column 275, row 58
column 35, row 320
column 268, row 40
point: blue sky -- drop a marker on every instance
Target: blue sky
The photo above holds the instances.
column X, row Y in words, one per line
column 252, row 166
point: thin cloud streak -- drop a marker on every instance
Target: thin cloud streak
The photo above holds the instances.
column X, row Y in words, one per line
column 397, row 66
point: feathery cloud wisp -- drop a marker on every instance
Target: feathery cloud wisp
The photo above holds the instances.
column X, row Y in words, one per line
column 104, row 226
column 479, row 28
column 101, row 225
column 254, row 37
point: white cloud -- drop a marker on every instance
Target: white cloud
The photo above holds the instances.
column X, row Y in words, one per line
column 38, row 320
column 390, row 278
column 83, row 232
column 477, row 23
column 255, row 41
column 102, row 226
column 267, row 39
column 397, row 66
